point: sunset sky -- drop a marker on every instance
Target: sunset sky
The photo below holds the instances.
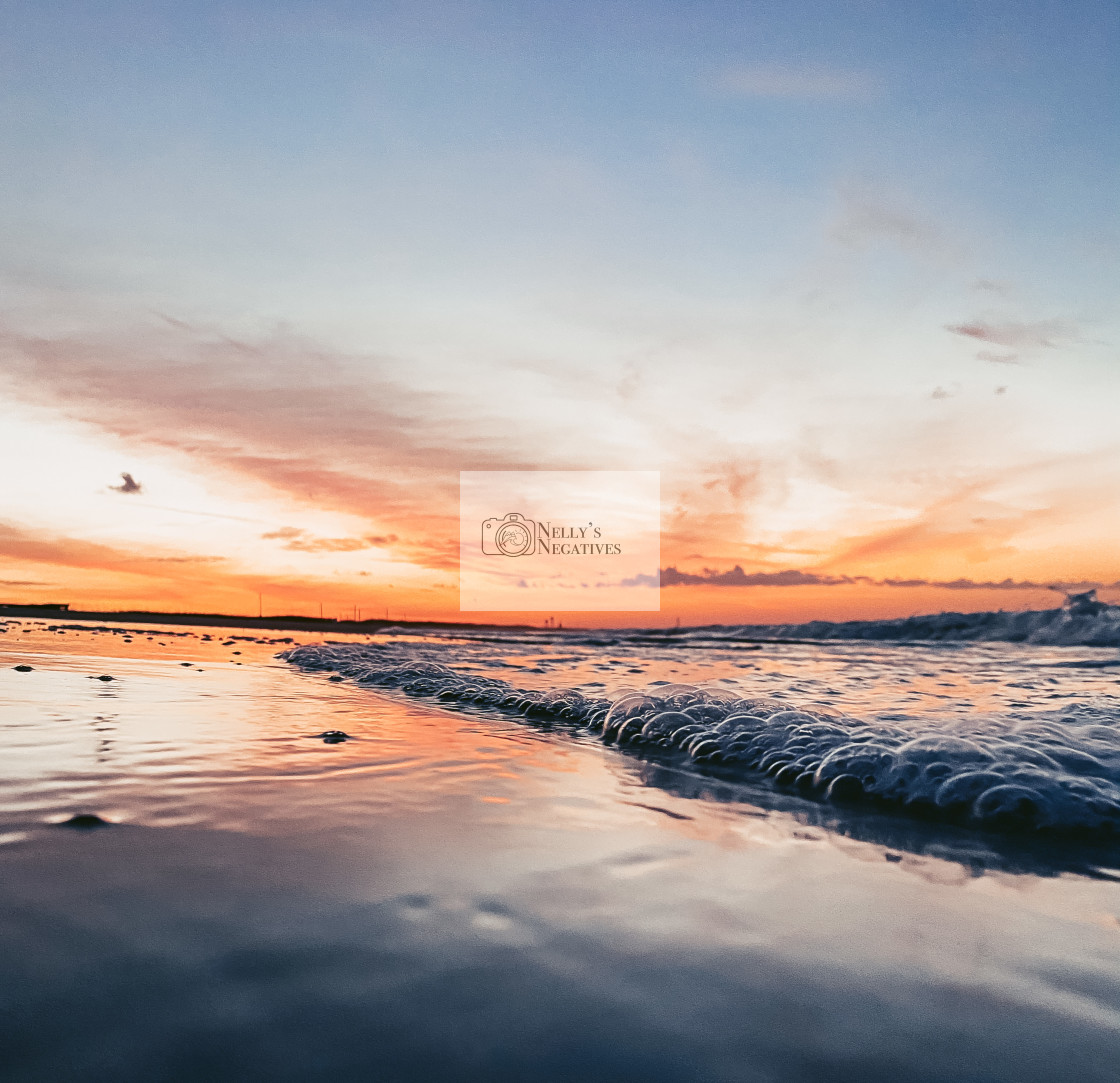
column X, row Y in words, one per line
column 846, row 274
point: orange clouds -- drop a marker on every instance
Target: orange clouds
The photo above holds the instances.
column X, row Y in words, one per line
column 90, row 575
column 877, row 515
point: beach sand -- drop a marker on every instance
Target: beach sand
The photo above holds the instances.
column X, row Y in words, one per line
column 457, row 896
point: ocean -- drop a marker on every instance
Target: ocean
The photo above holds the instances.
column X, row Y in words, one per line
column 555, row 855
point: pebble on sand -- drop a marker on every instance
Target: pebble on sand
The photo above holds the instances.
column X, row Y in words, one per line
column 84, row 821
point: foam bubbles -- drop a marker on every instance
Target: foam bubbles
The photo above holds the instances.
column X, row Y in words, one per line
column 1056, row 770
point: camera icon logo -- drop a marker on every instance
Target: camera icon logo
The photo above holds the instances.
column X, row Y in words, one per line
column 513, row 536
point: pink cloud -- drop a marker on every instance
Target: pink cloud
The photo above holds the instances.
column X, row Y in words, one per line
column 1015, row 336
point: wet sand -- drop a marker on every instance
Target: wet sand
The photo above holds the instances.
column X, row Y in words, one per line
column 455, row 896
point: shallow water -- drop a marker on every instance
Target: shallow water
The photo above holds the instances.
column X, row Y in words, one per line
column 461, row 893
column 1005, row 739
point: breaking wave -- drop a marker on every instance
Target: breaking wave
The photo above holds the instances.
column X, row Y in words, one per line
column 1083, row 621
column 1056, row 771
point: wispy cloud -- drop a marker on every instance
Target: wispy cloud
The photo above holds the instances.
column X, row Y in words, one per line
column 301, row 541
column 792, row 577
column 987, row 522
column 801, row 82
column 989, row 285
column 869, row 216
column 36, row 547
column 338, row 432
column 1015, row 335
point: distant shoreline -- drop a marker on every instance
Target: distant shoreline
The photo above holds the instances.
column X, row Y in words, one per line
column 1088, row 624
column 221, row 620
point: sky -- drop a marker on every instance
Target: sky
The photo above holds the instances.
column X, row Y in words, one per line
column 846, row 274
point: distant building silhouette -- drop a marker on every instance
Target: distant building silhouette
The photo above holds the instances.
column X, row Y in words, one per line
column 39, row 607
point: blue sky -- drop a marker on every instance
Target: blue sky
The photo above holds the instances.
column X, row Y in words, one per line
column 666, row 143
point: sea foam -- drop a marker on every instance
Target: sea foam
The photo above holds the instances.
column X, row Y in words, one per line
column 1044, row 770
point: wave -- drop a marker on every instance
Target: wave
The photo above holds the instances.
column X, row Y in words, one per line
column 1085, row 624
column 1052, row 771
column 1092, row 625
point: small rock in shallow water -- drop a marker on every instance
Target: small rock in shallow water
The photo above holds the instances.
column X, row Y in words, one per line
column 22, row 669
column 106, row 677
column 85, row 820
column 334, row 677
column 333, row 737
